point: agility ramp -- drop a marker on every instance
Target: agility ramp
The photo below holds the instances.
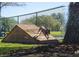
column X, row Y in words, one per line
column 25, row 34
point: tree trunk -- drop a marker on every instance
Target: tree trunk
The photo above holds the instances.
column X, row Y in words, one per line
column 0, row 9
column 72, row 29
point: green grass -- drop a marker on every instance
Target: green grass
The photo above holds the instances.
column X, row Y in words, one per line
column 16, row 45
column 7, row 47
column 57, row 33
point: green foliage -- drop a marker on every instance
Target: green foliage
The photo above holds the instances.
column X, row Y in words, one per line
column 53, row 22
column 31, row 20
column 7, row 23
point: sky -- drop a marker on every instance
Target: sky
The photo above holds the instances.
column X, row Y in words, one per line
column 31, row 7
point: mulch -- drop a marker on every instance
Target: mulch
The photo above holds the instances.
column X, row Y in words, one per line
column 62, row 50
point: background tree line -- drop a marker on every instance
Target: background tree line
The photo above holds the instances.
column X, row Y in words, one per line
column 55, row 21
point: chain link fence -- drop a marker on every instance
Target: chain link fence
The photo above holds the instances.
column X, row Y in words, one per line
column 53, row 18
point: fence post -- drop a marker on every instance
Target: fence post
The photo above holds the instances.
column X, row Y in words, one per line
column 18, row 21
column 36, row 18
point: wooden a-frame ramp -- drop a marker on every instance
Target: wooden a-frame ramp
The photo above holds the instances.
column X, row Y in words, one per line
column 24, row 34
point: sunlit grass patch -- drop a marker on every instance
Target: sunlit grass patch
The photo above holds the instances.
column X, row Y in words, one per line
column 57, row 33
